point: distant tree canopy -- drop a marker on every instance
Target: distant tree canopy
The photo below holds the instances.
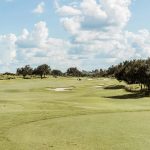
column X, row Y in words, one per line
column 24, row 71
column 73, row 71
column 56, row 73
column 42, row 70
column 9, row 73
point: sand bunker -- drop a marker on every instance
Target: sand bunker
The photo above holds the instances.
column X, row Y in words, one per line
column 99, row 86
column 106, row 79
column 90, row 79
column 61, row 89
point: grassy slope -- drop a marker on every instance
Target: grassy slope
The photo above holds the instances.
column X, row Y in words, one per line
column 87, row 118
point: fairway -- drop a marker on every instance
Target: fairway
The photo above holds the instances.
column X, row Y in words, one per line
column 67, row 114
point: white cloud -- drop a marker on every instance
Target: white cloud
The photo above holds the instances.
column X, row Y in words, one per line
column 102, row 15
column 38, row 47
column 91, row 8
column 37, row 37
column 7, row 50
column 34, row 47
column 98, row 31
column 72, row 25
column 98, row 38
column 100, row 49
column 68, row 11
column 39, row 8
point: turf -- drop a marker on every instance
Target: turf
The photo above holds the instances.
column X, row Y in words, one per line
column 84, row 118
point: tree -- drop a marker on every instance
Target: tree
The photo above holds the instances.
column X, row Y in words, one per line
column 95, row 73
column 73, row 71
column 42, row 70
column 111, row 71
column 134, row 72
column 24, row 71
column 9, row 73
column 56, row 73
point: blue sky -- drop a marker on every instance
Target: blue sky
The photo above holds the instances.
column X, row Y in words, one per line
column 140, row 13
column 19, row 15
column 88, row 34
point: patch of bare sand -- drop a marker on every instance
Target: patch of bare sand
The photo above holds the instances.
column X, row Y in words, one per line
column 60, row 89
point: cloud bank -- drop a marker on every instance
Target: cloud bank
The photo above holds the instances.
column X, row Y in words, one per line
column 98, row 38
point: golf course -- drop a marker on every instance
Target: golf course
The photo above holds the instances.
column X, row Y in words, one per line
column 68, row 114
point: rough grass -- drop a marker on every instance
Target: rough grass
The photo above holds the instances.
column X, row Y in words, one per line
column 85, row 118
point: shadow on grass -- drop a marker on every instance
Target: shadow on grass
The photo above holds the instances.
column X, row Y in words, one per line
column 136, row 95
column 114, row 87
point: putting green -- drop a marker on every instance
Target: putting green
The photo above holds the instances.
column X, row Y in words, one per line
column 84, row 118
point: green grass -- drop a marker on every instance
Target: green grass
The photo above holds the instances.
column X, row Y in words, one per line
column 85, row 118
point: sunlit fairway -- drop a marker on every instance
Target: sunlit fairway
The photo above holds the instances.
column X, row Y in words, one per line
column 87, row 116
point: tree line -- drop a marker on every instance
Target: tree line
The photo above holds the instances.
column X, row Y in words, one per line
column 132, row 72
column 44, row 69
